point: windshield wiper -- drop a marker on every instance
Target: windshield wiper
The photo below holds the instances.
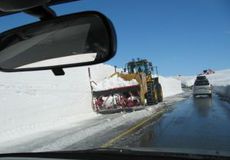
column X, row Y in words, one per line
column 113, row 154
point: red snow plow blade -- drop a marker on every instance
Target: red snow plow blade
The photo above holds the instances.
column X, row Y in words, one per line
column 117, row 99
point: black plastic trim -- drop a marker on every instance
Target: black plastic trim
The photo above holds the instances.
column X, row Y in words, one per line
column 58, row 71
column 115, row 154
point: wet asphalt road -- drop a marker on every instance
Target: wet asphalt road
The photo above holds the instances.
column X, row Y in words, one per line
column 197, row 124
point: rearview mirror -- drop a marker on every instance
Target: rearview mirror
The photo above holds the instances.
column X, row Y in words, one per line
column 66, row 41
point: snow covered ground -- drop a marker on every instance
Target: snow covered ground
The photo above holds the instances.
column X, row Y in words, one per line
column 37, row 102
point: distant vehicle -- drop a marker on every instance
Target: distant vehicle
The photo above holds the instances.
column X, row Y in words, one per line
column 202, row 87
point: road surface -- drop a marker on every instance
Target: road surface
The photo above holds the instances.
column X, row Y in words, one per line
column 197, row 124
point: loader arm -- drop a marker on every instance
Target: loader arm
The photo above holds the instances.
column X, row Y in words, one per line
column 140, row 78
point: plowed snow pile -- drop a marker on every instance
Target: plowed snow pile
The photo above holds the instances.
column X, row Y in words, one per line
column 221, row 82
column 170, row 86
column 113, row 82
column 35, row 102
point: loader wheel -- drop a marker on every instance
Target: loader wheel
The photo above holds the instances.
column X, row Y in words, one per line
column 159, row 92
column 150, row 94
column 155, row 96
column 160, row 98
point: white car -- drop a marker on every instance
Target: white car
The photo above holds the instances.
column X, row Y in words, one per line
column 202, row 87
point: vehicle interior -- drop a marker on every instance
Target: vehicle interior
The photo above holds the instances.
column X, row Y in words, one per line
column 79, row 79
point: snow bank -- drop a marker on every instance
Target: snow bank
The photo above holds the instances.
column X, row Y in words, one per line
column 32, row 102
column 186, row 81
column 221, row 82
column 113, row 82
column 170, row 86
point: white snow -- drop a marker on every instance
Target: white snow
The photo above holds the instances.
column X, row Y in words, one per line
column 221, row 82
column 32, row 102
column 170, row 86
column 113, row 82
column 220, row 78
column 186, row 81
column 35, row 102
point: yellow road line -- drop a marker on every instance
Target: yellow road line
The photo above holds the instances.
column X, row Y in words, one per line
column 131, row 129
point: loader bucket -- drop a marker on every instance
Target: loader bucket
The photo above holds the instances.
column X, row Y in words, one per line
column 116, row 99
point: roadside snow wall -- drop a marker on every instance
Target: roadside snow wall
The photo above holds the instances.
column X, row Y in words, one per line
column 221, row 83
column 170, row 86
column 32, row 102
column 186, row 81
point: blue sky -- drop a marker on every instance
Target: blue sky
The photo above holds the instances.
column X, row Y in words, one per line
column 179, row 36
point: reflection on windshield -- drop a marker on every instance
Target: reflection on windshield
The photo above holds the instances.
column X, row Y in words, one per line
column 73, row 59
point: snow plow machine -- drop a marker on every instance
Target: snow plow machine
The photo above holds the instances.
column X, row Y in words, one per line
column 140, row 87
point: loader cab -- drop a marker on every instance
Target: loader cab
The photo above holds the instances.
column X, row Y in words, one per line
column 140, row 66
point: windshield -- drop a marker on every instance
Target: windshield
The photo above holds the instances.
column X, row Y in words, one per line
column 201, row 83
column 201, row 78
column 137, row 67
column 101, row 106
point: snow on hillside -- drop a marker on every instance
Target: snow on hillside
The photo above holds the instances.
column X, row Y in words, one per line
column 32, row 102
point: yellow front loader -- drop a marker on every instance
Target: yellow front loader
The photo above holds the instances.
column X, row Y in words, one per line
column 147, row 91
